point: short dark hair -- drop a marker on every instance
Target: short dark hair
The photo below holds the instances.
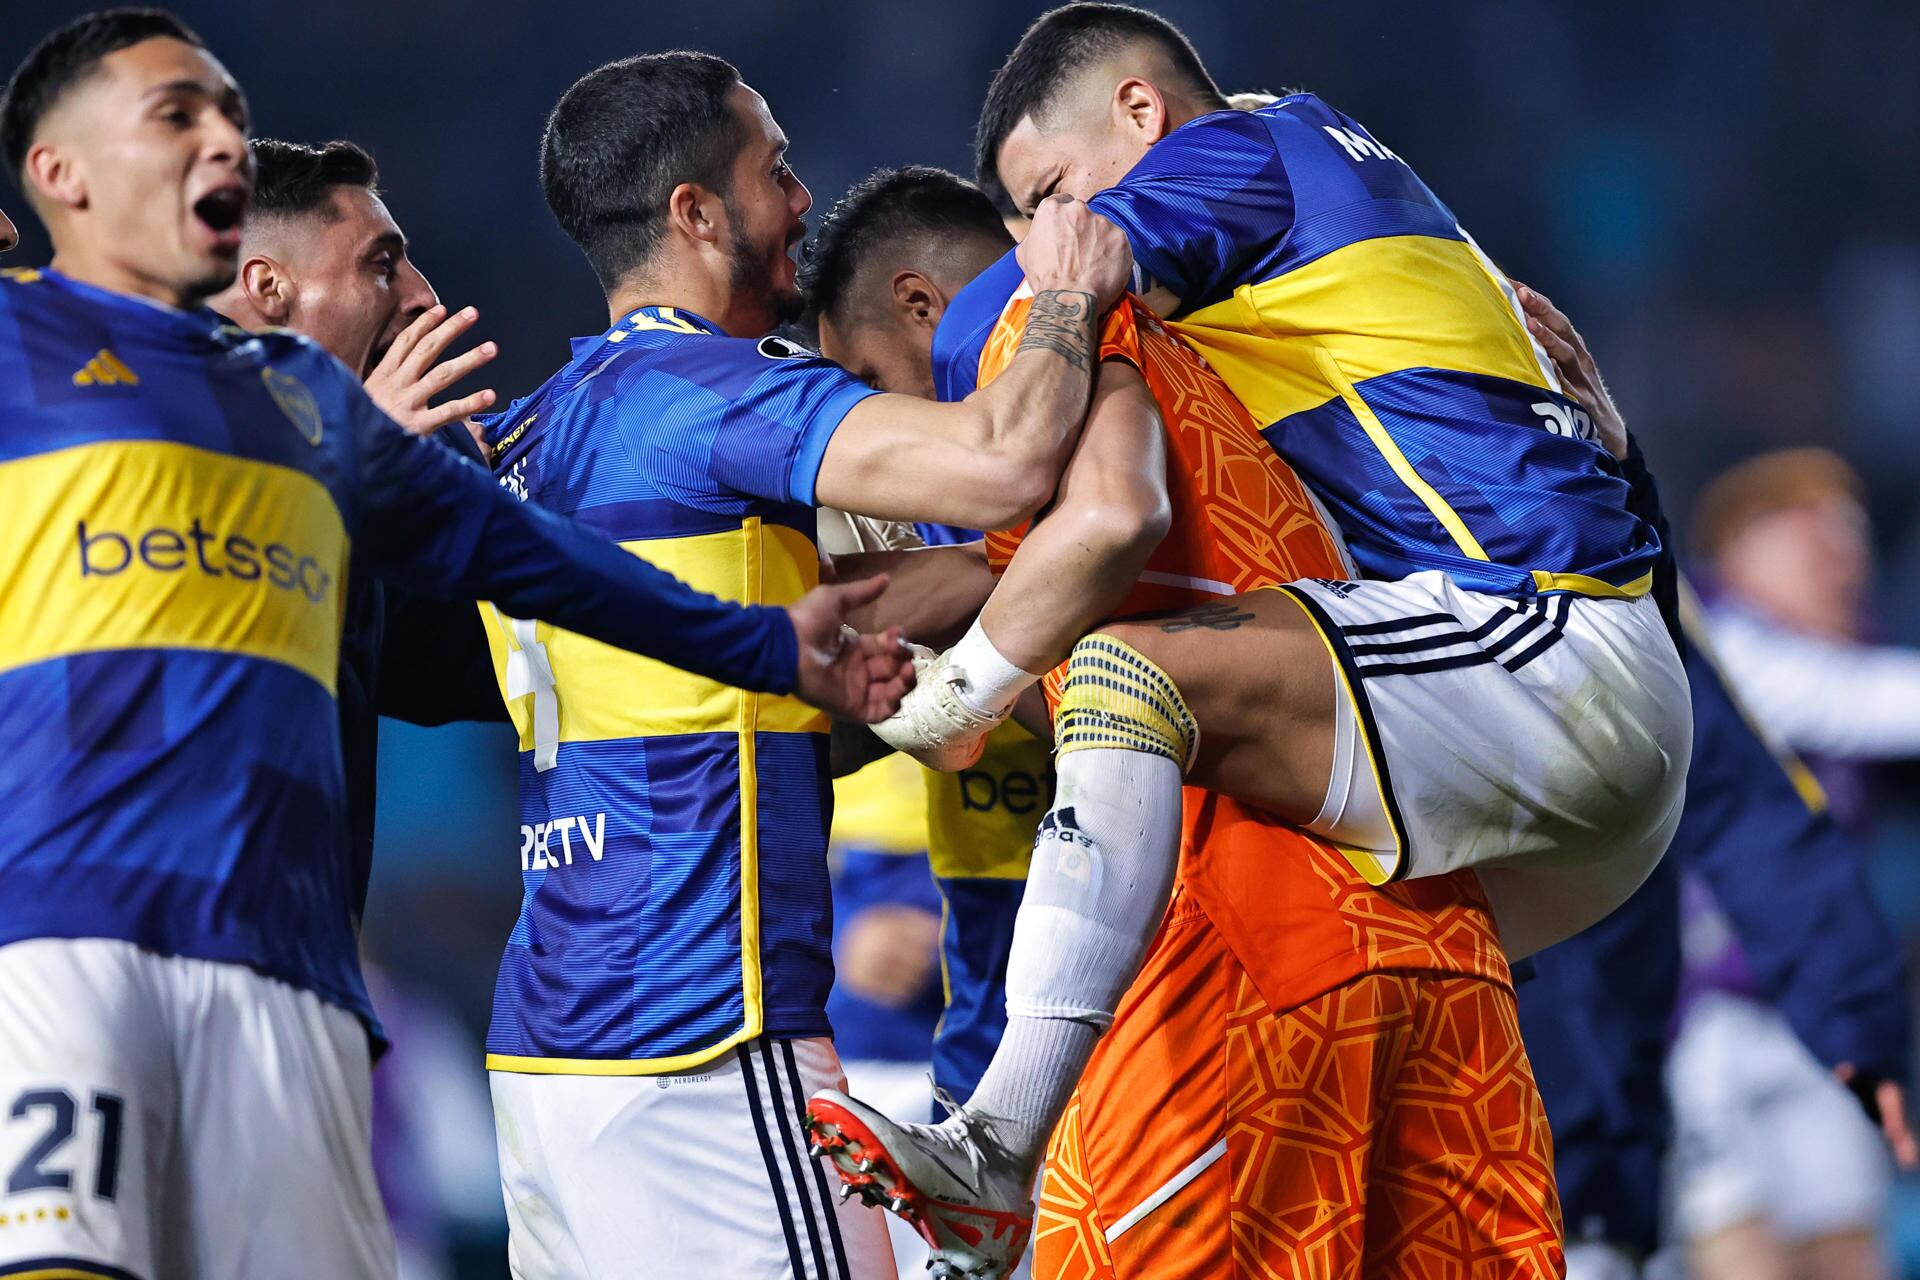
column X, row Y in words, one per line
column 66, row 58
column 292, row 179
column 1051, row 56
column 884, row 208
column 623, row 137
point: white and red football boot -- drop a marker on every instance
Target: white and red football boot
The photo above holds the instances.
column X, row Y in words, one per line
column 949, row 1181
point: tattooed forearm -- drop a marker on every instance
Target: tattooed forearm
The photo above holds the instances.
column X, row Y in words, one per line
column 1062, row 322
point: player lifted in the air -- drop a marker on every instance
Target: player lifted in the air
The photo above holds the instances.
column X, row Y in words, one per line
column 1499, row 688
column 673, row 832
column 1173, row 496
column 184, row 1031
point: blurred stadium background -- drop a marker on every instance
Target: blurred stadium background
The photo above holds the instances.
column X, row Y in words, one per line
column 1721, row 194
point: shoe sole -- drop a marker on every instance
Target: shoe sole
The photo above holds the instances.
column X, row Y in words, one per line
column 868, row 1170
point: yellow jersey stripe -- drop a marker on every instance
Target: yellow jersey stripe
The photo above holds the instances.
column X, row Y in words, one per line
column 148, row 544
column 1581, row 584
column 1379, row 306
column 607, row 694
column 522, row 1065
column 753, row 589
column 1429, row 497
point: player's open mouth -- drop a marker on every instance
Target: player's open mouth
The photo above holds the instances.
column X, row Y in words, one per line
column 221, row 211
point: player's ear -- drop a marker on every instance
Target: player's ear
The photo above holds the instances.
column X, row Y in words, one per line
column 695, row 212
column 918, row 299
column 268, row 289
column 1140, row 108
column 53, row 173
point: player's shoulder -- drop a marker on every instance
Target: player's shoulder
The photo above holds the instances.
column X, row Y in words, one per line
column 715, row 368
column 1217, row 144
column 17, row 286
column 291, row 355
column 1297, row 125
column 31, row 296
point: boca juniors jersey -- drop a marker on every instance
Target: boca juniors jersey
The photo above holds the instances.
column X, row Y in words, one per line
column 673, row 830
column 1382, row 352
column 179, row 500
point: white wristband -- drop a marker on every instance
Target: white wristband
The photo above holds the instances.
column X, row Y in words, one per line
column 991, row 682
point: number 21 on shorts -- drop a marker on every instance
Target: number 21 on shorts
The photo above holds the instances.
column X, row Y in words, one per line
column 48, row 1121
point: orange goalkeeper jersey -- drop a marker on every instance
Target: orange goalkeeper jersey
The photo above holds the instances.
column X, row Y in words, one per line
column 1299, row 917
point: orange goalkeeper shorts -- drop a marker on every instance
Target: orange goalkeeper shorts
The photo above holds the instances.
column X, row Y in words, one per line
column 1389, row 1129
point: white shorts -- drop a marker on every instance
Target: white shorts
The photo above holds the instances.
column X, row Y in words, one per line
column 172, row 1119
column 1763, row 1132
column 1543, row 743
column 697, row 1174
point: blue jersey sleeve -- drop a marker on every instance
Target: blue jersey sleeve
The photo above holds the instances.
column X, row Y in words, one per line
column 440, row 526
column 1204, row 207
column 749, row 417
column 967, row 323
column 1795, row 890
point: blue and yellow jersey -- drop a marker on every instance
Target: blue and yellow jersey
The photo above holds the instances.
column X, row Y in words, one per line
column 1383, row 353
column 673, row 831
column 180, row 500
column 177, row 498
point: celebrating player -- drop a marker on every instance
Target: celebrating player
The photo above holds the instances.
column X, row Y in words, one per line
column 1555, row 612
column 180, row 999
column 911, row 283
column 321, row 254
column 1502, row 690
column 673, row 833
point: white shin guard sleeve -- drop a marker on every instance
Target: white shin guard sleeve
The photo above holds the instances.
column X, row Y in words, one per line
column 1103, row 869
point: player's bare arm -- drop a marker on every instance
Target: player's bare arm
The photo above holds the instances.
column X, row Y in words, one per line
column 1071, row 570
column 933, row 593
column 1084, row 554
column 993, row 459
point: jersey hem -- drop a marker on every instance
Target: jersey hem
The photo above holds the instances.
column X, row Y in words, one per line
column 541, row 1065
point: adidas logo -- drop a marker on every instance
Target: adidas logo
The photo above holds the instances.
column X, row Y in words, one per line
column 1060, row 824
column 1073, row 852
column 106, row 370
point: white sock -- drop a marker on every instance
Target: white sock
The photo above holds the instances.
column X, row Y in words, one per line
column 1103, row 868
column 992, row 683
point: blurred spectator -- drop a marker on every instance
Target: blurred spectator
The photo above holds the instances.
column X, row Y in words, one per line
column 1788, row 551
column 887, row 992
column 433, row 1148
column 1777, row 1172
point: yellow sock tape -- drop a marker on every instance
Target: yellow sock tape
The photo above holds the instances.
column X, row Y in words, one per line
column 1115, row 697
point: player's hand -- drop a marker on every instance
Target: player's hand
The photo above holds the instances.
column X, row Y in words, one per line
column 845, row 673
column 1885, row 1102
column 888, row 953
column 1073, row 249
column 411, row 374
column 1574, row 363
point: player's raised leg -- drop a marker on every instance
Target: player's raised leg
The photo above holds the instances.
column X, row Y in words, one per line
column 1519, row 739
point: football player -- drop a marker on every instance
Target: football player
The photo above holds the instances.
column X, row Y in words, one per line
column 1173, row 497
column 184, row 1032
column 659, row 1019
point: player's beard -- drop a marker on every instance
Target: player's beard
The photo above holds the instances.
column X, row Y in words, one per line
column 752, row 275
